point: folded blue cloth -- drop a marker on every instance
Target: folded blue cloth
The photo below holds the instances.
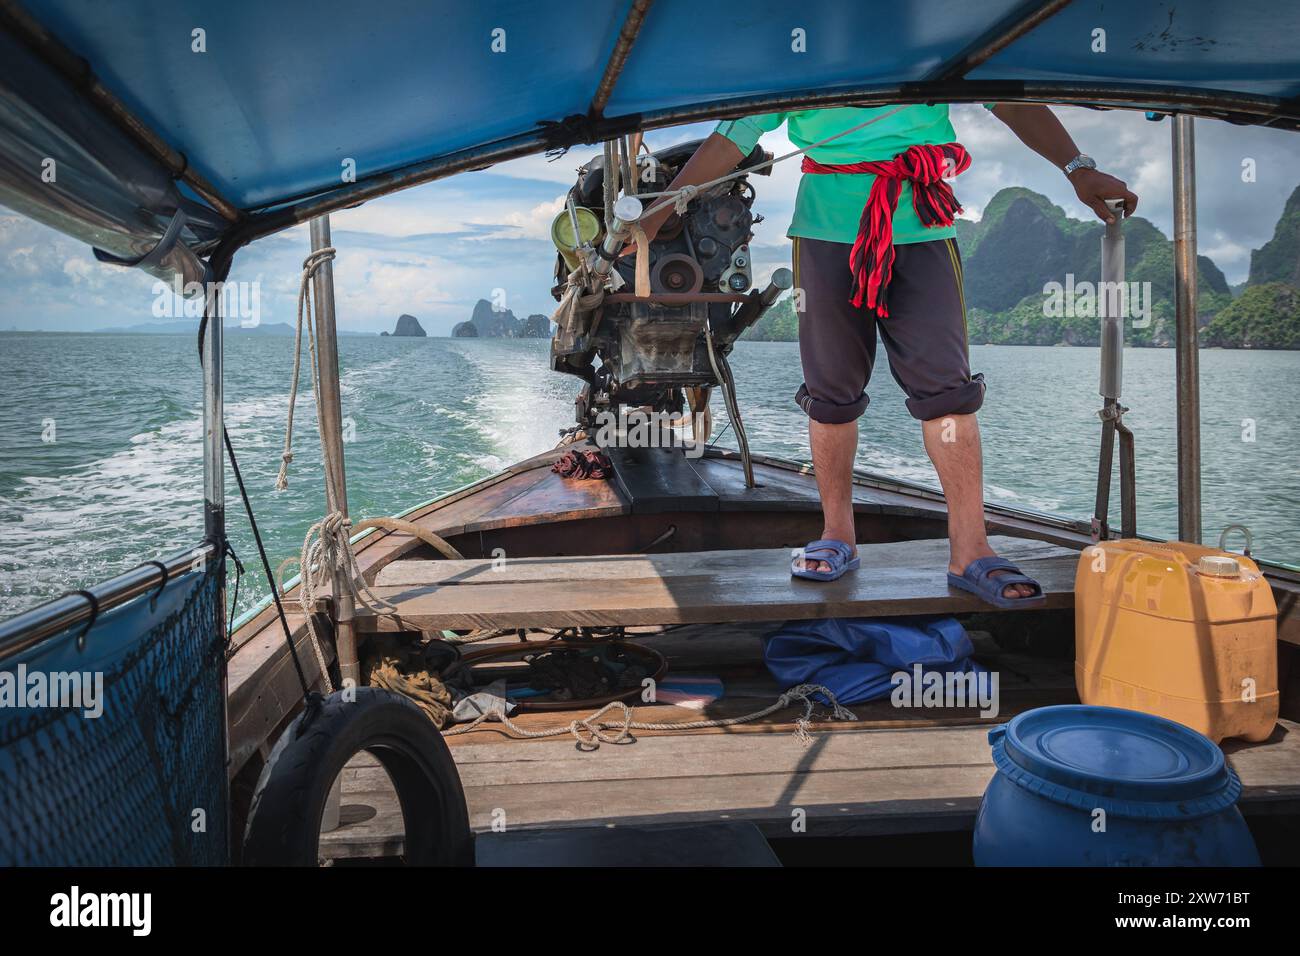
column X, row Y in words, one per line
column 855, row 658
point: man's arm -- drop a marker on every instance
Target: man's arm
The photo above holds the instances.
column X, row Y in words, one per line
column 715, row 157
column 1038, row 128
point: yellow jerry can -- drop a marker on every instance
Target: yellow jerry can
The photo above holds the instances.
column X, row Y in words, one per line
column 1178, row 630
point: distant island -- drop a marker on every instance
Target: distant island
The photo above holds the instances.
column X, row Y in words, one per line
column 489, row 323
column 409, row 327
column 1023, row 242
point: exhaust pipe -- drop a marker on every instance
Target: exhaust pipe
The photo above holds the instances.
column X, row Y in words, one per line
column 626, row 213
column 752, row 309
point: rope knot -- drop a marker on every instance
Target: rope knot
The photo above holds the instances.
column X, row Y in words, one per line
column 315, row 259
column 807, row 693
column 684, row 197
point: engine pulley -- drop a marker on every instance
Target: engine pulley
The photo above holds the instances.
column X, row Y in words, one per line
column 676, row 273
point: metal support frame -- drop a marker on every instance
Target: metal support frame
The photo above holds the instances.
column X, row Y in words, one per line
column 1021, row 21
column 1187, row 363
column 1112, row 298
column 618, row 58
column 331, row 431
column 52, row 617
column 214, row 474
column 944, row 84
column 214, row 465
column 45, row 620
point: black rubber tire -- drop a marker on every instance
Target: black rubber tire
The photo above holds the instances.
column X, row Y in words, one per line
column 284, row 818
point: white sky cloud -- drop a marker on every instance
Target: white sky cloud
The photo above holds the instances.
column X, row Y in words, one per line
column 434, row 250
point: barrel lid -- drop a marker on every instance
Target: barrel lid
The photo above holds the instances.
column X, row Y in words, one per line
column 1124, row 761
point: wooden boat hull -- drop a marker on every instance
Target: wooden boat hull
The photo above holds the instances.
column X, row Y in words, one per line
column 891, row 771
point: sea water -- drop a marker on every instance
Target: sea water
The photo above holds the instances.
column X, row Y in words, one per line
column 101, row 463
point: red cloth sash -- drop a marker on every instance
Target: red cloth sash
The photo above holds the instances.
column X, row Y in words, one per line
column 872, row 256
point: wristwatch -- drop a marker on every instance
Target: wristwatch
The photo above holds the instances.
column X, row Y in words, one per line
column 1081, row 161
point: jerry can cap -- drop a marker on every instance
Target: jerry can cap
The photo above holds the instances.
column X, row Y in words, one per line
column 1219, row 566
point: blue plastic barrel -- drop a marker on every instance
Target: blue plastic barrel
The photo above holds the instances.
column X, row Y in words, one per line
column 1101, row 786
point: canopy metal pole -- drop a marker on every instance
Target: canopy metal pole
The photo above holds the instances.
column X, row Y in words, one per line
column 1017, row 24
column 214, row 474
column 1187, row 378
column 618, row 59
column 331, row 430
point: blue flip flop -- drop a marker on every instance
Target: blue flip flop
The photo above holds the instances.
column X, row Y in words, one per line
column 837, row 554
column 979, row 579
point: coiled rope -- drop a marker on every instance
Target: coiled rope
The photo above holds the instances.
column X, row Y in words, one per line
column 325, row 547
column 598, row 731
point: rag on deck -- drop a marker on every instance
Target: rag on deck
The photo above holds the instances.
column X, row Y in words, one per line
column 855, row 658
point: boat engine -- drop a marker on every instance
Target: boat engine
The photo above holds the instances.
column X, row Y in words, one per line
column 646, row 351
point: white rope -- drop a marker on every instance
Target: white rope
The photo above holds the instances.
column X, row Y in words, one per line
column 327, row 546
column 597, row 731
column 309, row 266
column 682, row 196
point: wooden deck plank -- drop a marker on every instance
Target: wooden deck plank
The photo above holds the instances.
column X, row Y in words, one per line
column 850, row 783
column 905, row 577
column 921, row 553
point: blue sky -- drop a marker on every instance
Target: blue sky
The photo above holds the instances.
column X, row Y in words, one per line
column 434, row 250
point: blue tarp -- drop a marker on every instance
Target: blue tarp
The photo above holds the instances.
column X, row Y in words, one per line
column 855, row 658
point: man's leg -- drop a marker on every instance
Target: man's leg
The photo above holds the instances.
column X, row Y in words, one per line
column 925, row 336
column 837, row 346
column 953, row 444
column 833, row 450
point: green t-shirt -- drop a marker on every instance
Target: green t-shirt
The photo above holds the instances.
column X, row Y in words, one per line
column 829, row 205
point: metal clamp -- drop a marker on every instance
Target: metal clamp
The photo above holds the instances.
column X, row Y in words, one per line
column 94, row 615
column 153, row 598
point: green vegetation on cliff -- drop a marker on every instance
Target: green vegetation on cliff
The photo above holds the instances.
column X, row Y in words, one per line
column 778, row 324
column 1264, row 317
column 1278, row 260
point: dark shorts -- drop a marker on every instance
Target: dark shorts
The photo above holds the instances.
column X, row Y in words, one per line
column 925, row 334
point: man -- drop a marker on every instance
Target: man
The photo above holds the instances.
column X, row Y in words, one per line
column 875, row 252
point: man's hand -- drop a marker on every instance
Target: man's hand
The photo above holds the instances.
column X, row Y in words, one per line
column 651, row 228
column 1038, row 128
column 1093, row 187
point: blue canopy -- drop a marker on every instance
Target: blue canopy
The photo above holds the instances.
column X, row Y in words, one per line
column 262, row 109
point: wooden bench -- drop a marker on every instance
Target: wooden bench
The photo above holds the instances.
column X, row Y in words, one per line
column 899, row 578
